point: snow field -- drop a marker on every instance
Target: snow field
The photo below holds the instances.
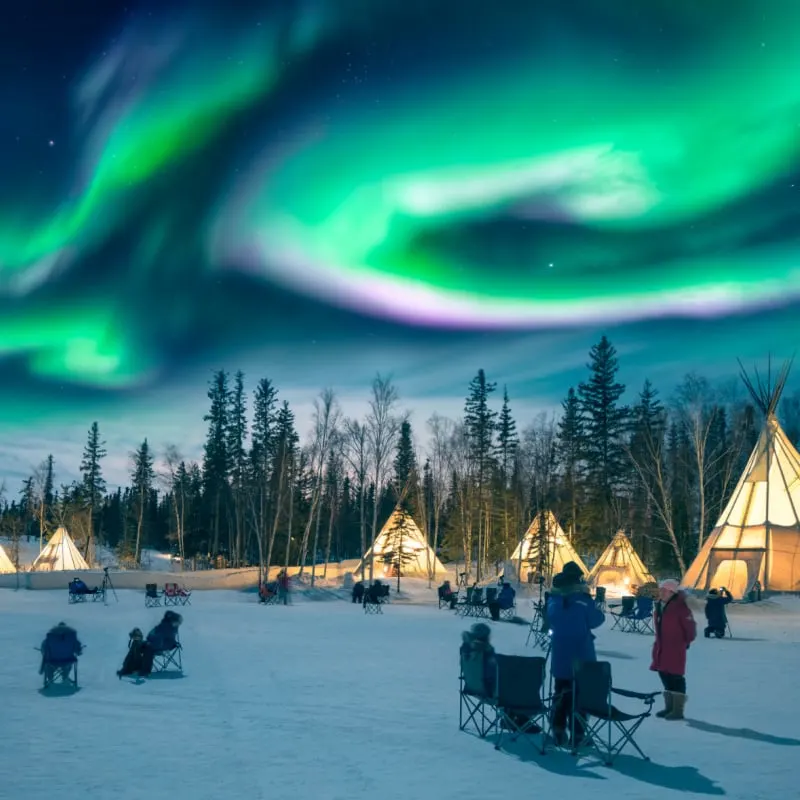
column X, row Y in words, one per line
column 320, row 700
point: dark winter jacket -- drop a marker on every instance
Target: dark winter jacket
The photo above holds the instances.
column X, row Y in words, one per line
column 61, row 644
column 505, row 598
column 675, row 631
column 572, row 616
column 165, row 635
column 716, row 616
column 478, row 662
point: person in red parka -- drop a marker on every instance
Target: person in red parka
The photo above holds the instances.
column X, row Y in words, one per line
column 675, row 631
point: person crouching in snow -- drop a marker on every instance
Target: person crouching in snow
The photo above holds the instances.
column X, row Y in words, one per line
column 476, row 648
column 675, row 631
column 139, row 658
column 716, row 618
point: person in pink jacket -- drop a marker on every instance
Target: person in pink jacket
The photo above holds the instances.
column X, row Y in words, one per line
column 675, row 631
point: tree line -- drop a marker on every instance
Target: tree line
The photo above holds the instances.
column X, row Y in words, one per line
column 661, row 470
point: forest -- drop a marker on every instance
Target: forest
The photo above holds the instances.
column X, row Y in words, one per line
column 661, row 469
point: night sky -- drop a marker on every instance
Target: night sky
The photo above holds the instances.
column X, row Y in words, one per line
column 313, row 191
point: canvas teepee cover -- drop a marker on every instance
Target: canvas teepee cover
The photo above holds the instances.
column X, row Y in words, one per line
column 757, row 536
column 401, row 535
column 559, row 551
column 60, row 553
column 6, row 564
column 620, row 566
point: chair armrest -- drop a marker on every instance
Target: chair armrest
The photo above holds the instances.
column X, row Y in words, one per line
column 648, row 697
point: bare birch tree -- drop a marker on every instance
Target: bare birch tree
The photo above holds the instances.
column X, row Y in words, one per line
column 356, row 452
column 694, row 405
column 440, row 458
column 171, row 476
column 382, row 429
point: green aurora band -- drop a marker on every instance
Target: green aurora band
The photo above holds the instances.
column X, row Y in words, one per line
column 595, row 165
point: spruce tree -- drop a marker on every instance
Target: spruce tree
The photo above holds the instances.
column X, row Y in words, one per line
column 480, row 425
column 570, row 439
column 405, row 469
column 93, row 486
column 143, row 477
column 235, row 444
column 216, row 461
column 605, row 428
column 507, row 446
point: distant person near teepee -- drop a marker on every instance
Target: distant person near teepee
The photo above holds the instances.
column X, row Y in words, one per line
column 675, row 631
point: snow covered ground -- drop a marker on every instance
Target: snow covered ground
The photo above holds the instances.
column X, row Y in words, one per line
column 319, row 700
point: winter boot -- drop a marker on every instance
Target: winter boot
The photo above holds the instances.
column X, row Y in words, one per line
column 678, row 705
column 667, row 705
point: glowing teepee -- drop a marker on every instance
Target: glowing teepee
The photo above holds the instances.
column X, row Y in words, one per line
column 6, row 564
column 401, row 544
column 620, row 567
column 545, row 551
column 60, row 553
column 757, row 536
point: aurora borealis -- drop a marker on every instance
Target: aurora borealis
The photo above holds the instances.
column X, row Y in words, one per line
column 213, row 183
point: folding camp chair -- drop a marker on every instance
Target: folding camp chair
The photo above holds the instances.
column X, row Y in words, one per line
column 476, row 707
column 59, row 671
column 641, row 621
column 175, row 595
column 622, row 618
column 464, row 603
column 520, row 703
column 373, row 600
column 607, row 729
column 169, row 660
column 600, row 598
column 152, row 597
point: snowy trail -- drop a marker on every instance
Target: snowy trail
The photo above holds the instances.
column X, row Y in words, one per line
column 319, row 700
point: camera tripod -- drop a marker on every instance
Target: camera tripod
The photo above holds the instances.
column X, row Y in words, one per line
column 106, row 585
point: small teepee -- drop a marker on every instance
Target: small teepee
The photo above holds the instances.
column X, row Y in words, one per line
column 401, row 545
column 6, row 564
column 757, row 536
column 620, row 568
column 60, row 553
column 545, row 551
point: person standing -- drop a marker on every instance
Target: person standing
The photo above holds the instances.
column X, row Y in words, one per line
column 572, row 616
column 283, row 587
column 675, row 630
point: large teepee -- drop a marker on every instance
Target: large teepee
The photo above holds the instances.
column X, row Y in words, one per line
column 757, row 536
column 60, row 553
column 6, row 564
column 620, row 567
column 401, row 544
column 544, row 551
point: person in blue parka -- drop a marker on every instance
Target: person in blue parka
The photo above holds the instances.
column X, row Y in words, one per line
column 572, row 615
column 716, row 616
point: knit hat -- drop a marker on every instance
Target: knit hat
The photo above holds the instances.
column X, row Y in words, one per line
column 481, row 631
column 572, row 570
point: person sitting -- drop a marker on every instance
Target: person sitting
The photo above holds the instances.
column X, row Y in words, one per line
column 503, row 601
column 139, row 658
column 374, row 594
column 716, row 616
column 446, row 595
column 164, row 636
column 60, row 649
column 477, row 656
column 77, row 586
column 358, row 591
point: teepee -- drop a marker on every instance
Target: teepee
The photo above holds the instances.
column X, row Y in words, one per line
column 757, row 536
column 620, row 567
column 6, row 564
column 401, row 545
column 60, row 553
column 544, row 551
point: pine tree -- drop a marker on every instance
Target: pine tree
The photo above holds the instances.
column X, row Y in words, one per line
column 142, row 477
column 93, row 486
column 216, row 461
column 480, row 424
column 605, row 428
